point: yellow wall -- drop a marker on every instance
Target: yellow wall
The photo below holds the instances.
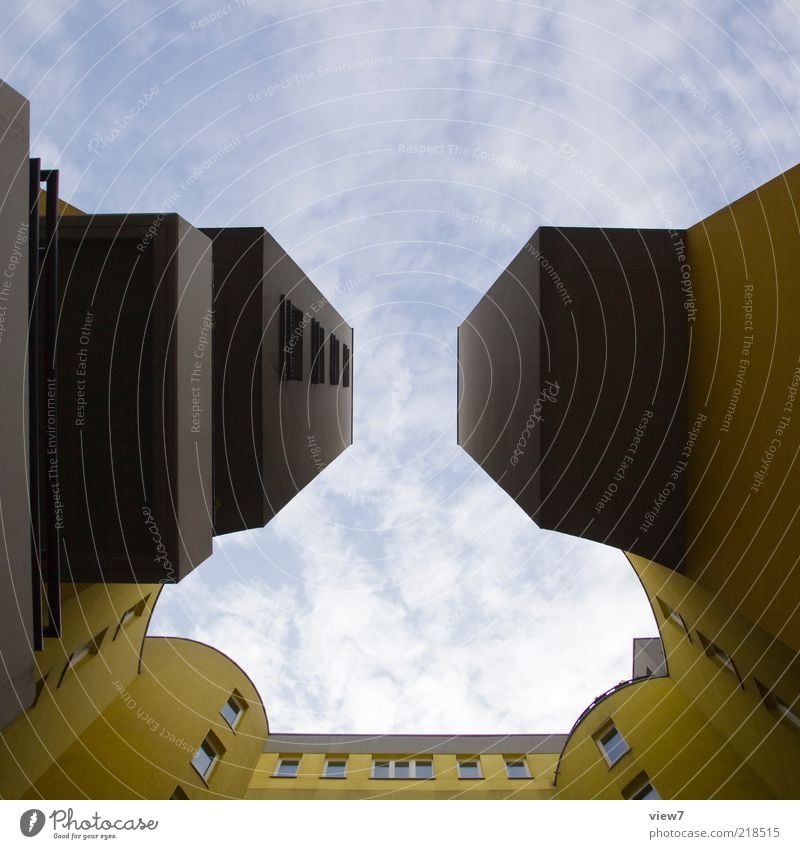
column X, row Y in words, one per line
column 743, row 543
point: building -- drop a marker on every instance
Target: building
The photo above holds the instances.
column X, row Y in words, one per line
column 118, row 338
column 645, row 398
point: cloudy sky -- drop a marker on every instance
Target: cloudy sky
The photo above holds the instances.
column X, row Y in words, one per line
column 402, row 151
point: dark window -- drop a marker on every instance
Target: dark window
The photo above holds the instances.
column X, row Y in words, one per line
column 317, row 352
column 345, row 365
column 291, row 339
column 334, row 358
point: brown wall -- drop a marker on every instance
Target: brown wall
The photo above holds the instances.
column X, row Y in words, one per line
column 572, row 384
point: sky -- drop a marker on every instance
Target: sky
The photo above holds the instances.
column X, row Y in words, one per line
column 402, row 153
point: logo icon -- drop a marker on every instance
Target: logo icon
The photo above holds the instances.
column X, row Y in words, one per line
column 31, row 822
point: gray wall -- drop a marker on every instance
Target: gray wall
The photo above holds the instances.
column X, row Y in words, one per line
column 16, row 612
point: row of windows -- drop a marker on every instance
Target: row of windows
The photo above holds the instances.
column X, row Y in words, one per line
column 785, row 711
column 92, row 647
column 414, row 769
column 292, row 325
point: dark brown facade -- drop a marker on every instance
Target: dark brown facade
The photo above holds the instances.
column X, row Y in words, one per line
column 16, row 612
column 282, row 379
column 572, row 385
column 134, row 397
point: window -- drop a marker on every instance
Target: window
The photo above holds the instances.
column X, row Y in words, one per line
column 784, row 711
column 720, row 656
column 334, row 360
column 233, row 709
column 292, row 322
column 612, row 744
column 287, row 768
column 641, row 788
column 469, row 768
column 130, row 614
column 335, row 769
column 317, row 352
column 345, row 366
column 410, row 768
column 673, row 616
column 207, row 755
column 82, row 653
column 179, row 793
column 517, row 768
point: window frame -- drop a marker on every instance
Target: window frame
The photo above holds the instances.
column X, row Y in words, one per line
column 284, row 759
column 785, row 712
column 469, row 762
column 82, row 654
column 240, row 702
column 672, row 615
column 635, row 790
column 130, row 614
column 215, row 745
column 334, row 760
column 720, row 657
column 412, row 769
column 507, row 761
column 603, row 734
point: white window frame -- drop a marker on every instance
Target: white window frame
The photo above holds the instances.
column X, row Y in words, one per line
column 637, row 789
column 329, row 761
column 295, row 759
column 217, row 749
column 235, row 698
column 515, row 761
column 462, row 762
column 412, row 769
column 603, row 734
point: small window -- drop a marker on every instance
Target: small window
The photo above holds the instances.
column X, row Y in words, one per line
column 612, row 744
column 335, row 769
column 786, row 712
column 233, row 710
column 641, row 788
column 345, row 366
column 292, row 323
column 406, row 768
column 672, row 615
column 179, row 793
column 317, row 352
column 334, row 359
column 720, row 656
column 207, row 755
column 469, row 768
column 83, row 653
column 517, row 768
column 287, row 768
column 130, row 614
